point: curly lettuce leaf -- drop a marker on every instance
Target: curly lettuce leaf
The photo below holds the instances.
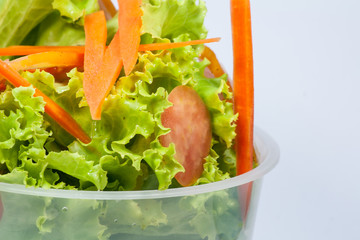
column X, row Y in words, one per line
column 221, row 110
column 123, row 141
column 74, row 10
column 18, row 18
column 63, row 26
column 21, row 148
column 65, row 219
column 133, row 216
column 76, row 166
column 55, row 31
column 172, row 18
column 217, row 214
column 19, row 218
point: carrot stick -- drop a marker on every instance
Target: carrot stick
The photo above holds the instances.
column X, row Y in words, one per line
column 214, row 65
column 243, row 83
column 48, row 60
column 164, row 46
column 107, row 75
column 26, row 50
column 51, row 108
column 95, row 45
column 108, row 7
column 130, row 24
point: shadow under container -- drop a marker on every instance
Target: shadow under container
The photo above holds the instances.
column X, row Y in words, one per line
column 223, row 210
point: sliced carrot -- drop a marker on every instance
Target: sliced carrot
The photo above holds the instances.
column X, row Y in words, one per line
column 130, row 24
column 214, row 65
column 26, row 50
column 243, row 83
column 108, row 73
column 214, row 69
column 164, row 46
column 108, row 7
column 48, row 60
column 95, row 46
column 51, row 108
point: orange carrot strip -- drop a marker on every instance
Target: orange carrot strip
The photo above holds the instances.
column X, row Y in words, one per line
column 215, row 68
column 243, row 83
column 95, row 45
column 51, row 108
column 26, row 50
column 48, row 60
column 108, row 73
column 214, row 65
column 164, row 46
column 130, row 24
column 108, row 7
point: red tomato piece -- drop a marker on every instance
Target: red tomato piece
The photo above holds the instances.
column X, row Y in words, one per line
column 189, row 121
column 2, row 86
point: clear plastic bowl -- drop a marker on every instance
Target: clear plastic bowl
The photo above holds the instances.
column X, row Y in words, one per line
column 221, row 210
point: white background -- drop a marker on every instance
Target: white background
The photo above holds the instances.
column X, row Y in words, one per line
column 307, row 83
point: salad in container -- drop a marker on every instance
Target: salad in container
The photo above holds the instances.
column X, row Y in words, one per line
column 122, row 124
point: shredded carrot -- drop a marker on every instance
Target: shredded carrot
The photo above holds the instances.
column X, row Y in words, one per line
column 243, row 83
column 215, row 68
column 164, row 46
column 48, row 60
column 95, row 46
column 51, row 108
column 108, row 73
column 130, row 24
column 108, row 7
column 214, row 65
column 26, row 50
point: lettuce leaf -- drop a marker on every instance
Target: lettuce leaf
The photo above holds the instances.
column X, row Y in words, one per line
column 23, row 136
column 66, row 218
column 18, row 18
column 125, row 153
column 55, row 31
column 172, row 18
column 75, row 10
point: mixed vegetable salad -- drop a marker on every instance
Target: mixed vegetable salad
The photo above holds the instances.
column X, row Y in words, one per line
column 127, row 103
column 94, row 98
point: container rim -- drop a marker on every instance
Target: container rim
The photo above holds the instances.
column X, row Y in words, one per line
column 266, row 149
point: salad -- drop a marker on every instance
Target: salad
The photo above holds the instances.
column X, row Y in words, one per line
column 96, row 99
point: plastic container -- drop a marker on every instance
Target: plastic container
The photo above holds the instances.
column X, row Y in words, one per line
column 221, row 210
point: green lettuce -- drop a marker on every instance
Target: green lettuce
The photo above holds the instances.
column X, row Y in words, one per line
column 44, row 22
column 18, row 18
column 172, row 18
column 75, row 10
column 125, row 152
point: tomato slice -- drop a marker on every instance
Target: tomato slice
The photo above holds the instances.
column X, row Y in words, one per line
column 2, row 86
column 189, row 121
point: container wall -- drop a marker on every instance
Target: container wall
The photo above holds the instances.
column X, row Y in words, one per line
column 226, row 214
